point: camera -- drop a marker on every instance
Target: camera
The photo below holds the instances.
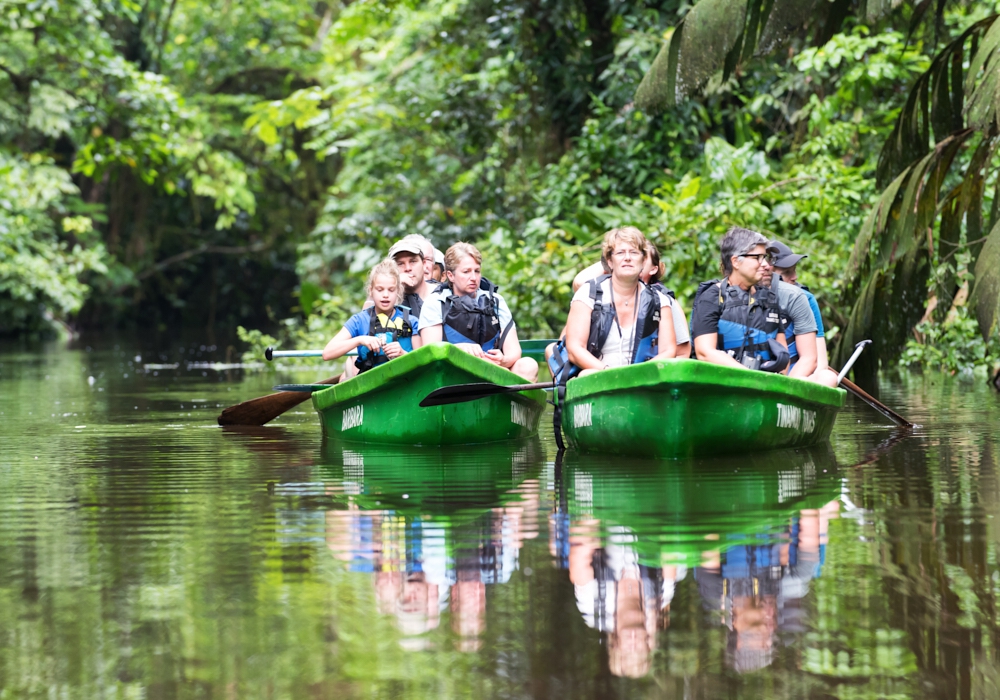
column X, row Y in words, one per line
column 750, row 361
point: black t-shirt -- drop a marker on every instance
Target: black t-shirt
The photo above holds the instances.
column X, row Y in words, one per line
column 706, row 311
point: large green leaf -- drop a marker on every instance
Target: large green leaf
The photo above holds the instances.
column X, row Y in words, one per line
column 716, row 35
column 985, row 296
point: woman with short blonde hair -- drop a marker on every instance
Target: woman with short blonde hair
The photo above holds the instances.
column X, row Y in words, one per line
column 468, row 312
column 631, row 323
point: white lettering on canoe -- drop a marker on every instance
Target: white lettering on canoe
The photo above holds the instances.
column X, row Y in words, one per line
column 519, row 414
column 796, row 418
column 582, row 415
column 808, row 421
column 789, row 416
column 353, row 417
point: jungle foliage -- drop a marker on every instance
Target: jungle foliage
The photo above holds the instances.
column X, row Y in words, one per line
column 250, row 162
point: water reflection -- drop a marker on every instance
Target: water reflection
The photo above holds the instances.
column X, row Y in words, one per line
column 433, row 528
column 144, row 552
column 752, row 538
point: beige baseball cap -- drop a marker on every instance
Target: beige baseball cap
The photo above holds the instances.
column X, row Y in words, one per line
column 405, row 246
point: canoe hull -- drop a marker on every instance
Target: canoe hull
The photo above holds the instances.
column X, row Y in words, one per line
column 381, row 406
column 686, row 408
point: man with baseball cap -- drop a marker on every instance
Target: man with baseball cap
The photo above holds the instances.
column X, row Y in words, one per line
column 409, row 255
column 783, row 262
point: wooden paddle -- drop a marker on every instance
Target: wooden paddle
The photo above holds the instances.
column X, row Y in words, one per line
column 876, row 404
column 266, row 408
column 843, row 381
column 460, row 393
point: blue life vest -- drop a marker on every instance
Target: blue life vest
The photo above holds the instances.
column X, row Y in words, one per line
column 748, row 321
column 602, row 316
column 476, row 320
column 398, row 329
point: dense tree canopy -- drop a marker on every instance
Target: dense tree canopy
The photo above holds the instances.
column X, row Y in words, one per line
column 172, row 162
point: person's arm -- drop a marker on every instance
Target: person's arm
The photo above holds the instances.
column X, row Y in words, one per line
column 431, row 334
column 705, row 315
column 681, row 332
column 668, row 338
column 416, row 340
column 343, row 343
column 705, row 349
column 805, row 346
column 577, row 334
column 822, row 359
column 430, row 323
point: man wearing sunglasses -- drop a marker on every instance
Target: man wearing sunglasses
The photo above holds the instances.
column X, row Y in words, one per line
column 736, row 321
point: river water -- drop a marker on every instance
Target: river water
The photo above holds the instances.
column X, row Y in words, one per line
column 147, row 553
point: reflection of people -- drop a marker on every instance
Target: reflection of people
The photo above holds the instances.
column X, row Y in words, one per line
column 755, row 588
column 619, row 596
column 421, row 568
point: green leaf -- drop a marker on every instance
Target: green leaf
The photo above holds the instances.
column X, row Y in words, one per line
column 985, row 296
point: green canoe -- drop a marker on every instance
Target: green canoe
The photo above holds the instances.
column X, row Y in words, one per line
column 687, row 408
column 676, row 511
column 381, row 405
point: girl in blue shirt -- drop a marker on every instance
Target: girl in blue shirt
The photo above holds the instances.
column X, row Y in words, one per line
column 381, row 332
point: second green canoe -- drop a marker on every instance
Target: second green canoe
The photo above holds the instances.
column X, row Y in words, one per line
column 687, row 408
column 380, row 406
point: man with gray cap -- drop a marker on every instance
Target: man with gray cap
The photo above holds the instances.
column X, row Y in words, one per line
column 801, row 343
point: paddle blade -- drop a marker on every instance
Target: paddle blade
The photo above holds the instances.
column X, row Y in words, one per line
column 460, row 393
column 266, row 408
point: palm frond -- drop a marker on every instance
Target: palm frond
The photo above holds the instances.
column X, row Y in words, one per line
column 718, row 35
column 985, row 297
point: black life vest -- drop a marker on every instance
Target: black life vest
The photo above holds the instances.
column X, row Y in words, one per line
column 468, row 319
column 392, row 333
column 602, row 316
column 413, row 300
column 749, row 323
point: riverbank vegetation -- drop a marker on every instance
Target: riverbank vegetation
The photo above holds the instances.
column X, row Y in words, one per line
column 172, row 163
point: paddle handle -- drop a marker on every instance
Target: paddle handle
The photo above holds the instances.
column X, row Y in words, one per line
column 854, row 358
column 271, row 353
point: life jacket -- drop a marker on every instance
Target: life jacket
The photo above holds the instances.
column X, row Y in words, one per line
column 414, row 302
column 398, row 328
column 749, row 323
column 476, row 320
column 602, row 316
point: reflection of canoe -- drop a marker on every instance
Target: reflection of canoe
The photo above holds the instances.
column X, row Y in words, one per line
column 687, row 408
column 429, row 481
column 676, row 510
column 381, row 405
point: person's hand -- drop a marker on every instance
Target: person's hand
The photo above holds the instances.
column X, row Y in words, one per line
column 472, row 349
column 393, row 350
column 370, row 342
column 495, row 356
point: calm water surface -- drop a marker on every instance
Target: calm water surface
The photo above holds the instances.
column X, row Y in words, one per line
column 147, row 553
